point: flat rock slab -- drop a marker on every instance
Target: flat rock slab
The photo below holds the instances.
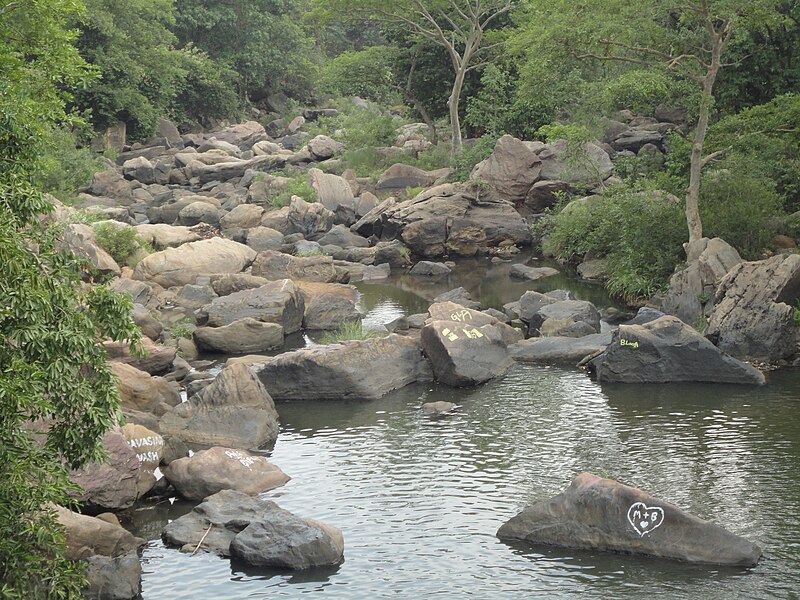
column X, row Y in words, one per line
column 559, row 350
column 277, row 302
column 243, row 336
column 256, row 531
column 210, row 471
column 668, row 350
column 276, row 265
column 362, row 369
column 520, row 271
column 603, row 514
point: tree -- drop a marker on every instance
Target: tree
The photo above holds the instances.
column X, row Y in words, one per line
column 458, row 26
column 689, row 39
column 57, row 394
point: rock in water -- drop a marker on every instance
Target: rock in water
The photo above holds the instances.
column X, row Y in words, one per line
column 754, row 309
column 602, row 514
column 210, row 471
column 235, row 410
column 668, row 350
column 258, row 532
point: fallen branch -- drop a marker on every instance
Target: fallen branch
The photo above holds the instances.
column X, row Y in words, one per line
column 202, row 539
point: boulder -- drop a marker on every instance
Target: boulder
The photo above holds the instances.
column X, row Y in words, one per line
column 264, row 238
column 360, row 369
column 210, row 471
column 244, row 216
column 87, row 536
column 81, row 241
column 112, row 484
column 168, row 131
column 243, row 135
column 199, row 212
column 335, row 194
column 400, row 177
column 426, row 268
column 234, row 168
column 312, row 219
column 161, row 235
column 110, row 184
column 755, row 307
column 545, row 194
column 603, row 514
column 224, row 285
column 235, row 410
column 342, row 236
column 328, row 305
column 437, row 409
column 463, row 352
column 668, row 350
column 241, row 336
column 568, row 318
column 156, row 360
column 182, row 265
column 558, row 350
column 589, row 166
column 323, row 147
column 276, row 265
column 139, row 169
column 593, row 270
column 634, row 139
column 458, row 295
column 114, row 578
column 371, row 223
column 520, row 271
column 256, row 531
column 145, row 320
column 149, row 448
column 510, row 170
column 278, row 302
column 142, row 392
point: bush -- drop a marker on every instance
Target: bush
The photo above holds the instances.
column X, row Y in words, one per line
column 350, row 330
column 297, row 186
column 122, row 243
column 366, row 73
column 639, row 231
column 64, row 168
column 468, row 157
column 740, row 208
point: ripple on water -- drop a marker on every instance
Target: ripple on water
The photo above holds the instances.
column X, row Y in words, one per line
column 419, row 499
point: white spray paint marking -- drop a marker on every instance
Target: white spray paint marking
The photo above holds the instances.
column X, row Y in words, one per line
column 645, row 519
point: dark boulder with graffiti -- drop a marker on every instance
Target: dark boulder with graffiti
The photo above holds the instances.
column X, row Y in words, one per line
column 603, row 514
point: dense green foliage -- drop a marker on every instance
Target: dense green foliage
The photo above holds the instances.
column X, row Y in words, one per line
column 350, row 330
column 57, row 394
column 120, row 241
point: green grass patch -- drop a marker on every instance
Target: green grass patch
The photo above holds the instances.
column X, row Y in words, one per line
column 350, row 330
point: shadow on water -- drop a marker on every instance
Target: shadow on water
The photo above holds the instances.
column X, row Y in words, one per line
column 315, row 575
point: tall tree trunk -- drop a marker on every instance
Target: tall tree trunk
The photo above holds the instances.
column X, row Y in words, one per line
column 696, row 162
column 418, row 105
column 452, row 104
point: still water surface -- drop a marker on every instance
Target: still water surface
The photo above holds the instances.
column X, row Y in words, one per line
column 419, row 499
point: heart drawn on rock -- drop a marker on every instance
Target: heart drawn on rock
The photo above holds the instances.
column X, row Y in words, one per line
column 645, row 519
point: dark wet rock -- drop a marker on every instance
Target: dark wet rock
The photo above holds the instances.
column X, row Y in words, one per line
column 256, row 531
column 363, row 369
column 645, row 315
column 210, row 471
column 668, row 350
column 235, row 410
column 113, row 484
column 372, row 222
column 555, row 350
column 602, row 514
column 341, row 236
column 520, row 271
column 754, row 309
column 276, row 265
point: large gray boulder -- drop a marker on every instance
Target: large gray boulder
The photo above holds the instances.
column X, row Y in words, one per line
column 243, row 135
column 362, row 369
column 276, row 265
column 755, row 307
column 210, row 471
column 602, row 514
column 278, row 301
column 257, row 531
column 400, row 176
column 342, row 236
column 234, row 168
column 235, row 411
column 510, row 170
column 466, row 347
column 668, row 350
column 182, row 265
column 114, row 578
column 565, row 318
column 139, row 169
column 312, row 219
column 335, row 194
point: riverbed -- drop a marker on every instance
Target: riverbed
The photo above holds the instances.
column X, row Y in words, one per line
column 419, row 499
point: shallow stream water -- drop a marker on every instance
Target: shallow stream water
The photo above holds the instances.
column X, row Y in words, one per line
column 419, row 499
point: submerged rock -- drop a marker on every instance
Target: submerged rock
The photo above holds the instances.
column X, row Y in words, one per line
column 668, row 350
column 602, row 514
column 550, row 350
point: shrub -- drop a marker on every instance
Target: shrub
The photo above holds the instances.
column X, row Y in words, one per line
column 350, row 330
column 468, row 157
column 297, row 186
column 122, row 243
column 183, row 328
column 64, row 168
